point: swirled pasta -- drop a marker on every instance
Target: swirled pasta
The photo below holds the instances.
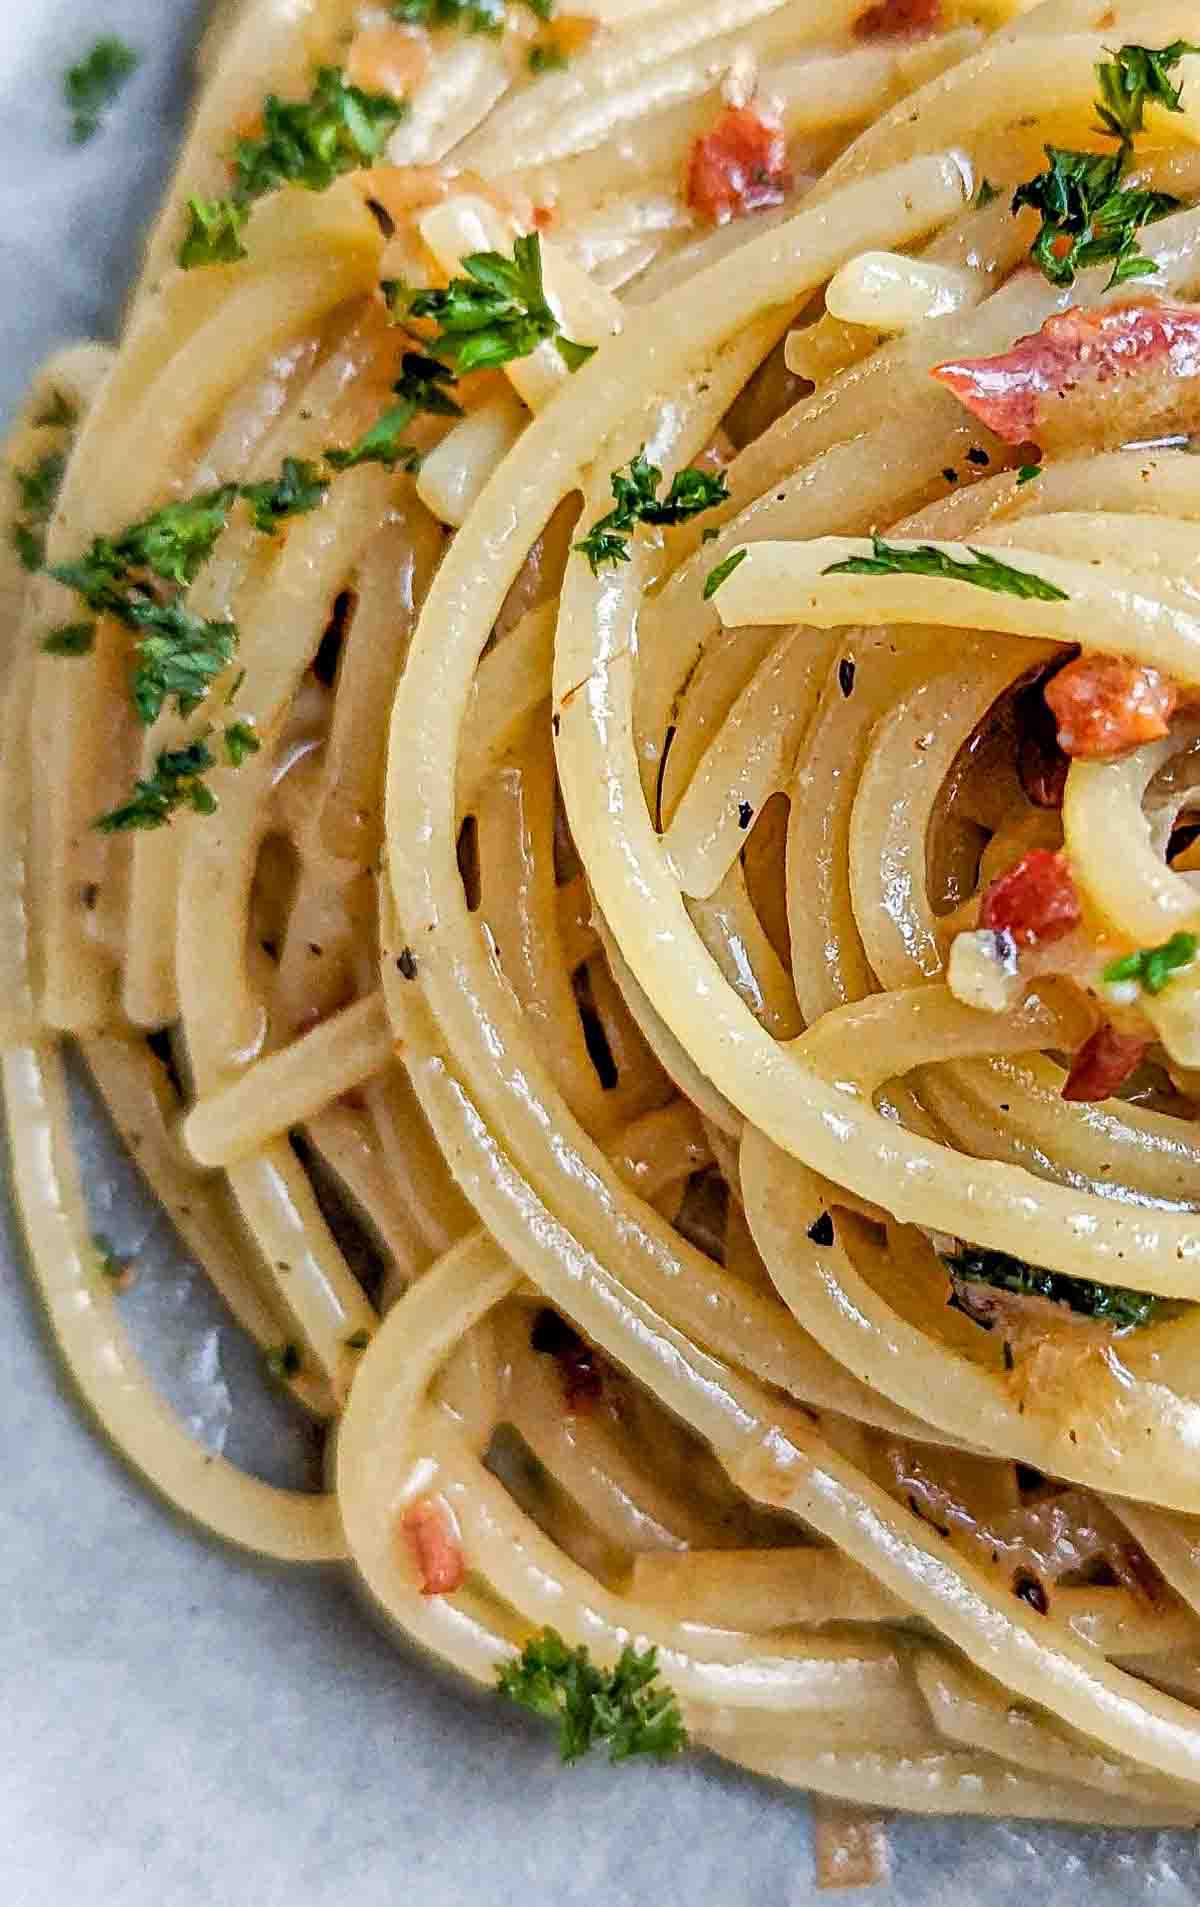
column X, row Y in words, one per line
column 600, row 760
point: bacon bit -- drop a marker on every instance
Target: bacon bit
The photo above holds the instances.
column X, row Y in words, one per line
column 1110, row 361
column 895, row 17
column 1104, row 705
column 1103, row 1063
column 1035, row 901
column 543, row 217
column 388, row 59
column 740, row 166
column 432, row 1537
column 581, row 1368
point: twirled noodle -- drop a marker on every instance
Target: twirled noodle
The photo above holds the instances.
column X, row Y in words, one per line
column 604, row 1025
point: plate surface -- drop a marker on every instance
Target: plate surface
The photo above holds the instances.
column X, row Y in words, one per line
column 182, row 1728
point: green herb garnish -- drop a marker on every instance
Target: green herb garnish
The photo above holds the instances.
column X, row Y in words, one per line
column 38, row 488
column 59, row 414
column 176, row 783
column 619, row 1707
column 240, row 741
column 421, row 387
column 474, row 16
column 73, row 639
column 308, row 142
column 986, row 194
column 638, row 501
column 178, row 657
column 1151, row 968
column 546, row 58
column 496, row 312
column 214, row 233
column 92, row 86
column 1114, row 1304
column 1088, row 218
column 723, row 570
column 1028, row 472
column 297, row 490
column 985, row 571
column 1136, row 75
column 283, row 1361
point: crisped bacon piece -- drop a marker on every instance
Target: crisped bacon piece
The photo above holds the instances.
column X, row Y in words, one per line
column 895, row 17
column 1035, row 901
column 1128, row 370
column 740, row 166
column 1103, row 1063
column 1104, row 705
column 429, row 1530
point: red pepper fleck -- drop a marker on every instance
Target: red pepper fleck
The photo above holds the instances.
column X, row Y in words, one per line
column 1104, row 705
column 432, row 1538
column 895, row 17
column 1035, row 901
column 1103, row 1063
column 740, row 166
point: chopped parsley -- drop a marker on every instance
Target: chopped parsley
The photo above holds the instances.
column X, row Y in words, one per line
column 1114, row 1304
column 38, row 489
column 92, row 86
column 545, row 57
column 496, row 312
column 178, row 656
column 296, row 491
column 240, row 741
column 474, row 16
column 984, row 570
column 1028, row 472
column 421, row 387
column 986, row 194
column 176, row 783
column 1151, row 968
column 721, row 573
column 73, row 639
column 214, row 233
column 637, row 501
column 307, row 142
column 1136, row 75
column 619, row 1707
column 283, row 1361
column 1088, row 217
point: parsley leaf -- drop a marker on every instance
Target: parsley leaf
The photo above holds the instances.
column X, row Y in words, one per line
column 1138, row 74
column 620, row 1707
column 637, row 501
column 91, row 87
column 312, row 142
column 73, row 639
column 985, row 195
column 175, row 783
column 474, row 16
column 1088, row 218
column 214, row 233
column 985, row 571
column 308, row 142
column 545, row 57
column 420, row 388
column 1151, row 967
column 722, row 571
column 38, row 488
column 297, row 490
column 973, row 1264
column 1028, row 472
column 496, row 313
column 177, row 658
column 240, row 741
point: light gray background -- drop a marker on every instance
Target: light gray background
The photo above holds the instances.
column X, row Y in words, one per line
column 179, row 1728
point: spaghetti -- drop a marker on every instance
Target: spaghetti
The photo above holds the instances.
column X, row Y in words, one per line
column 628, row 616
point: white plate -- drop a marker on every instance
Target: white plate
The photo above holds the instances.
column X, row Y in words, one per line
column 180, row 1727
